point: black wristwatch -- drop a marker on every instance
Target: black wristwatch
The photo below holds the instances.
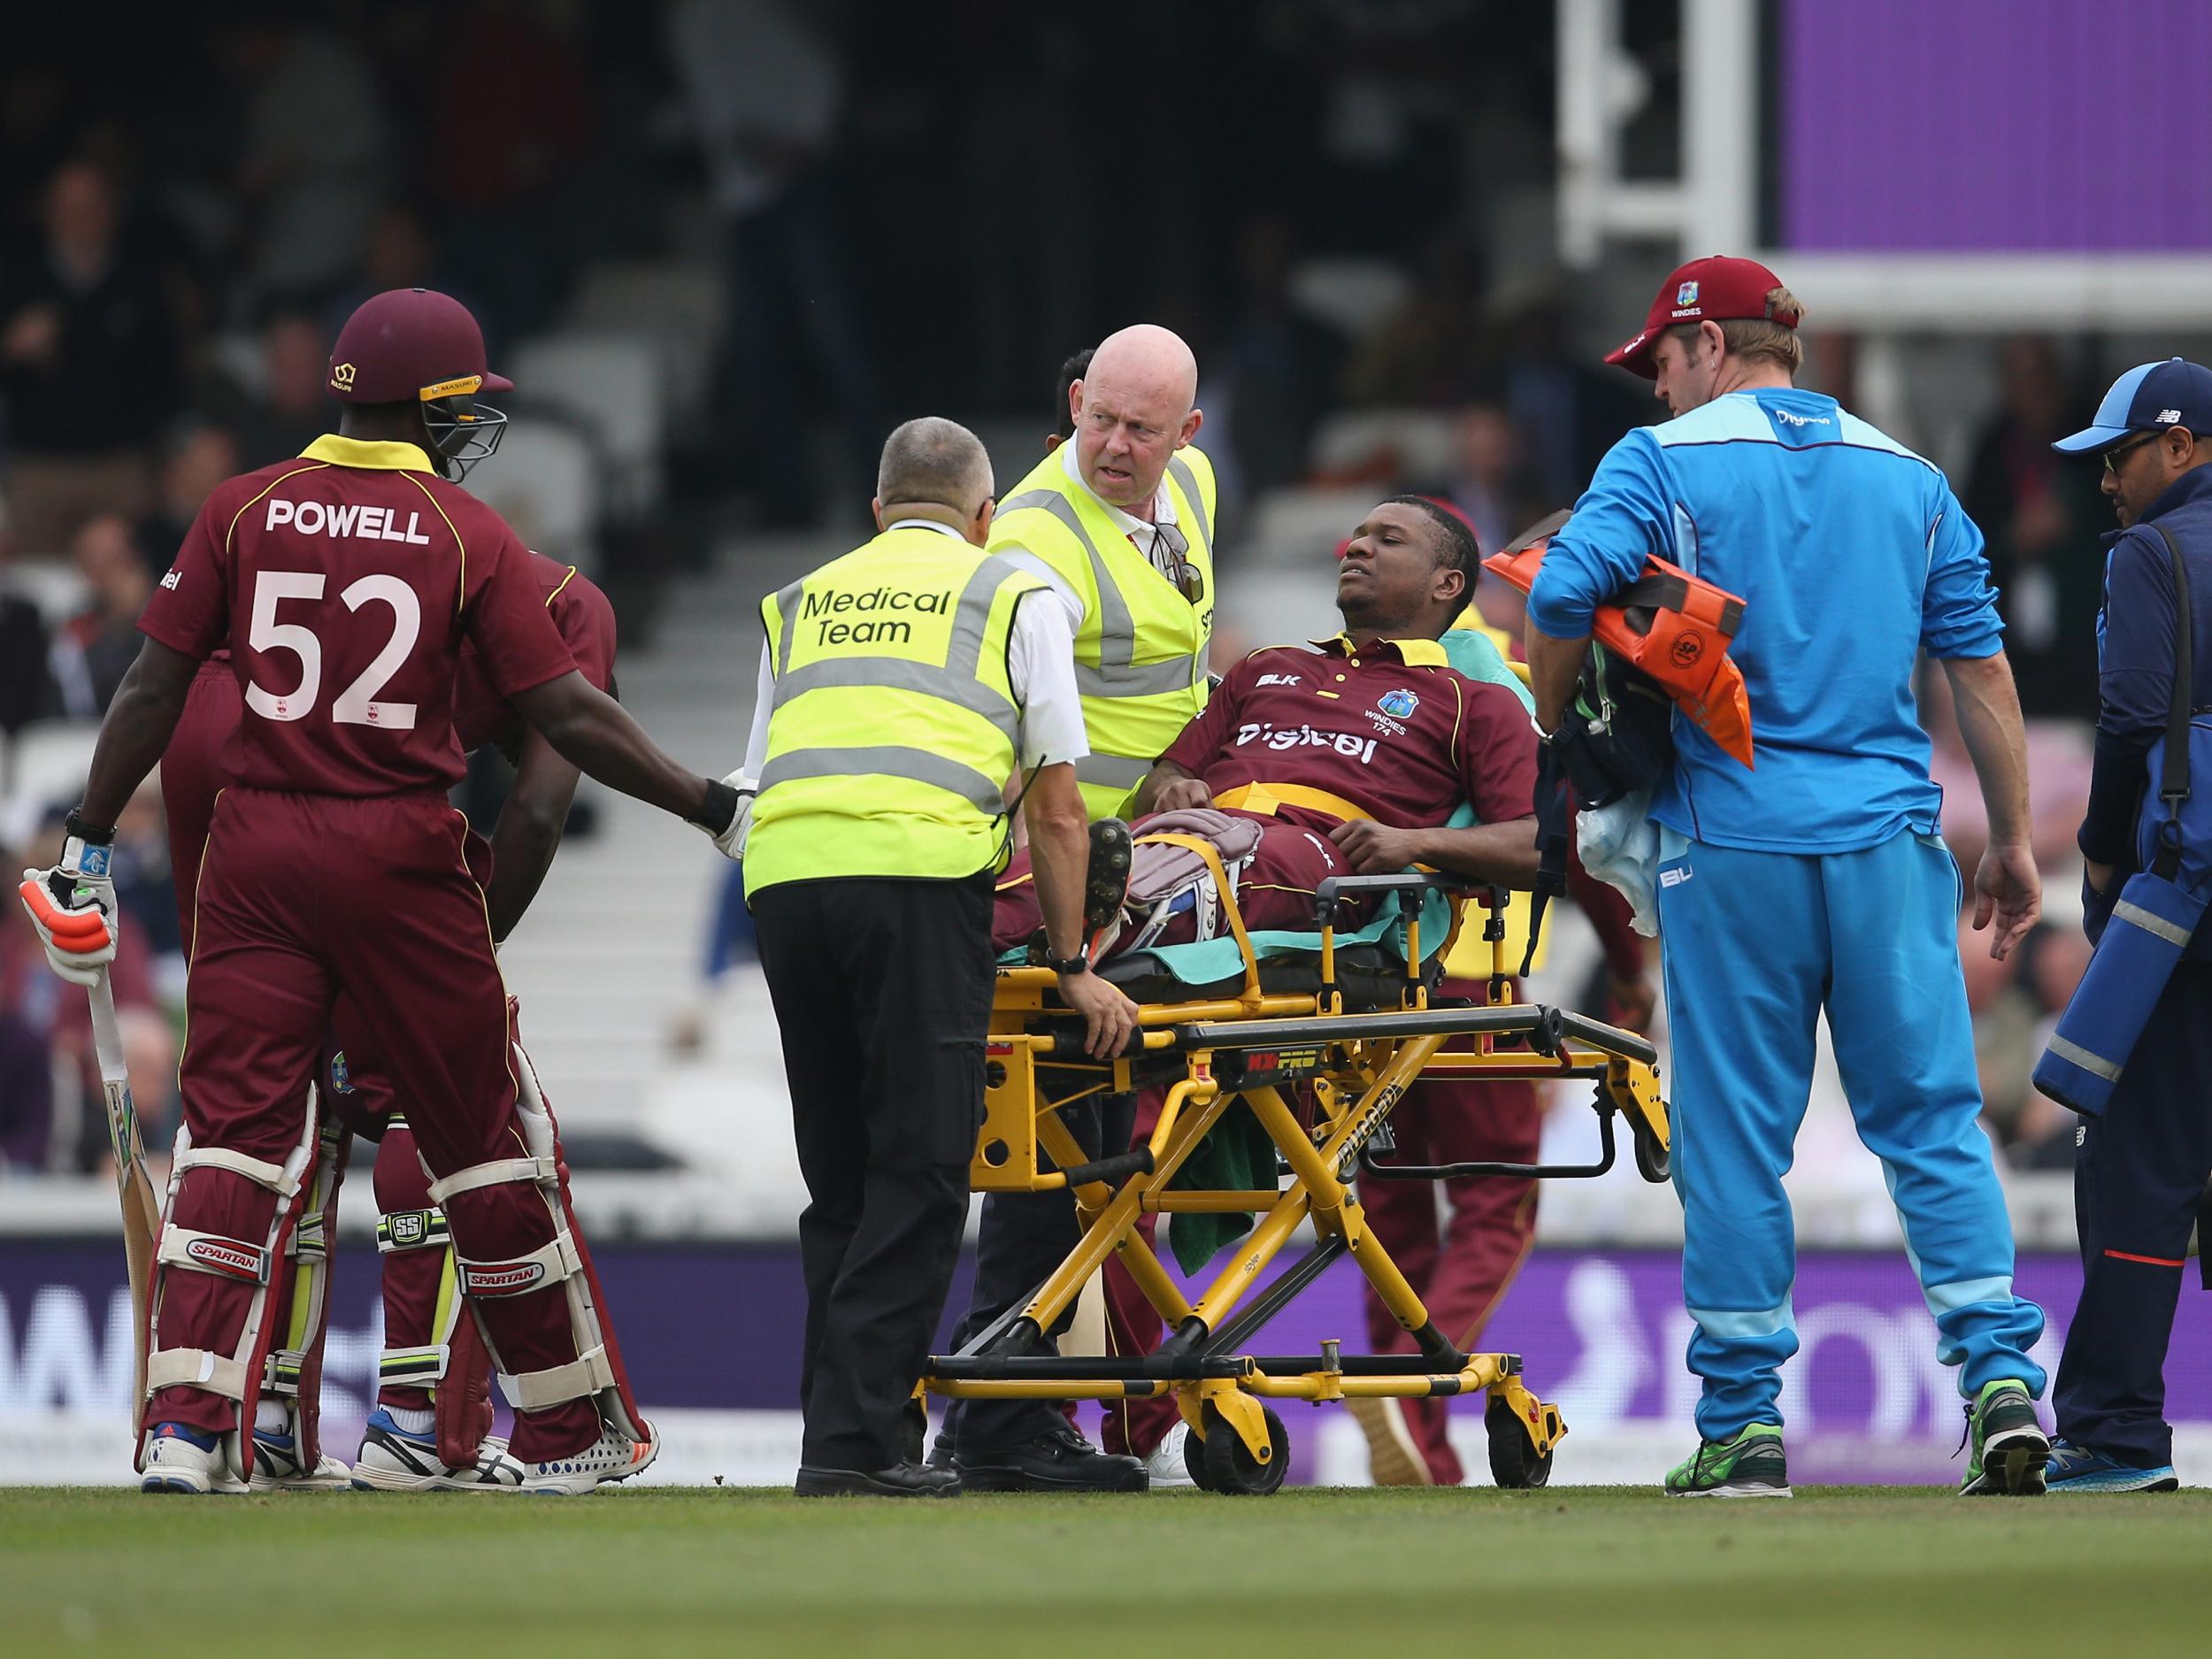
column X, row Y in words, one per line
column 1077, row 964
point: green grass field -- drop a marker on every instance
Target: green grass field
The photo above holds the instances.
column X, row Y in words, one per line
column 1571, row 1572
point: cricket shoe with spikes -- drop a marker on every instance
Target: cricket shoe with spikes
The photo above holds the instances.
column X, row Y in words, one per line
column 2011, row 1453
column 613, row 1456
column 393, row 1460
column 1106, row 877
column 187, row 1460
column 276, row 1463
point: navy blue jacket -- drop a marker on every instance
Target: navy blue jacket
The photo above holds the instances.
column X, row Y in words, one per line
column 2135, row 658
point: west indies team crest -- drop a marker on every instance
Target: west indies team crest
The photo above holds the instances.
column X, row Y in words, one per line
column 1393, row 710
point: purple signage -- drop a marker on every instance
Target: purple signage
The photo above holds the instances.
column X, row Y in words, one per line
column 715, row 1329
column 1993, row 126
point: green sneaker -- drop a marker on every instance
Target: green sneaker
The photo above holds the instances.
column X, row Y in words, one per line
column 1748, row 1465
column 2010, row 1449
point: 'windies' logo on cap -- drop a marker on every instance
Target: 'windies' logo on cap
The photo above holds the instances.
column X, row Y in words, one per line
column 341, row 377
column 1686, row 295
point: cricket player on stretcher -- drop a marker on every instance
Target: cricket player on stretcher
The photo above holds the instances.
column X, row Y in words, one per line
column 1353, row 758
column 1347, row 759
column 430, row 1427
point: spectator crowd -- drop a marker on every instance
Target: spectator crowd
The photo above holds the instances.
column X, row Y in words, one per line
column 186, row 226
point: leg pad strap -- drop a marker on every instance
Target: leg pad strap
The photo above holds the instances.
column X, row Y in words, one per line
column 411, row 1229
column 580, row 1380
column 195, row 1368
column 411, row 1367
column 538, row 1171
column 276, row 1177
column 281, row 1373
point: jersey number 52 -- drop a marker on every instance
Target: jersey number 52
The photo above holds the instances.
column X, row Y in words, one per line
column 357, row 704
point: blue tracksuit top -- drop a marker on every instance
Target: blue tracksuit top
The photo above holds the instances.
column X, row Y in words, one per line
column 1850, row 554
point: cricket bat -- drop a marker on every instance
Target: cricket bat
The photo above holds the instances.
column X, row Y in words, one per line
column 142, row 1210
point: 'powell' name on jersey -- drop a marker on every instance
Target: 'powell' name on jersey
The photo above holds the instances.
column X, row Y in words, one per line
column 348, row 519
column 1345, row 743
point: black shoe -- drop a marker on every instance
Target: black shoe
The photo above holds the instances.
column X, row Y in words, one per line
column 901, row 1480
column 1106, row 877
column 1061, row 1462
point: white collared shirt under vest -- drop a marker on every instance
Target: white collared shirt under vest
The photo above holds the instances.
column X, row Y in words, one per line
column 1144, row 537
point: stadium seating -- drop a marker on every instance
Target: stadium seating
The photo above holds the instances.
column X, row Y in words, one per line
column 613, row 387
column 675, row 308
column 48, row 765
column 546, row 483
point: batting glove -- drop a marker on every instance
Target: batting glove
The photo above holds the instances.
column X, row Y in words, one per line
column 73, row 906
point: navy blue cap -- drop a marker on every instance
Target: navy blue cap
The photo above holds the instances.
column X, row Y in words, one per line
column 2149, row 397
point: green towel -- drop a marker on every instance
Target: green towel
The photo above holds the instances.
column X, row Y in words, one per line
column 1237, row 1155
column 1475, row 656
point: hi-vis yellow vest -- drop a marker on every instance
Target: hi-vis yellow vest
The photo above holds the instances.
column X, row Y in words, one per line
column 892, row 735
column 1141, row 654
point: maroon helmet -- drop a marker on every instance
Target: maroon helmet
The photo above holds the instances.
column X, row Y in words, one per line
column 417, row 345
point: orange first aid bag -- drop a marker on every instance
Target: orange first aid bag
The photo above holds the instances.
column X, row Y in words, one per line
column 1668, row 625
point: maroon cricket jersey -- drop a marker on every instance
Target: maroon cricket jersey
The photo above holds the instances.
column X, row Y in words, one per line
column 585, row 621
column 1392, row 727
column 345, row 584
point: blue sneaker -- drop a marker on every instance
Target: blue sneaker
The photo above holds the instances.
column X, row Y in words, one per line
column 277, row 1465
column 2076, row 1469
column 392, row 1459
column 180, row 1459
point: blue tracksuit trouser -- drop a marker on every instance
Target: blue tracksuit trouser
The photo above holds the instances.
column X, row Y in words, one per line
column 2139, row 1180
column 1755, row 946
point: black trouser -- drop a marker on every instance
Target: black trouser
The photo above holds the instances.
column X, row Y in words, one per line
column 882, row 989
column 1024, row 1236
column 2139, row 1177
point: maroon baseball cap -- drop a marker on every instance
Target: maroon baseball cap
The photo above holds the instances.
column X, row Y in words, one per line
column 409, row 343
column 1716, row 290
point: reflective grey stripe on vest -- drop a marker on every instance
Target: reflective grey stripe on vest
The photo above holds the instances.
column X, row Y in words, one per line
column 788, row 608
column 971, row 616
column 2082, row 1057
column 2150, row 922
column 899, row 674
column 1111, row 772
column 917, row 766
column 1151, row 680
column 1117, row 632
column 956, row 682
column 1179, row 469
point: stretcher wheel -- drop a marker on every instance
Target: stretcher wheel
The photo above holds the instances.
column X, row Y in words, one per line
column 1194, row 1462
column 1653, row 1162
column 1231, row 1469
column 1515, row 1464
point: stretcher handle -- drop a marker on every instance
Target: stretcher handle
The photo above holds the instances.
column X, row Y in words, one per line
column 1335, row 890
column 1113, row 1170
column 1069, row 1045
